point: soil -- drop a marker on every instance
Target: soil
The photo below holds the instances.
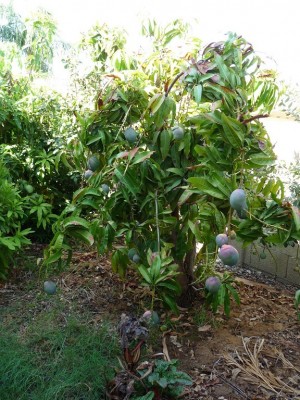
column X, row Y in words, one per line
column 253, row 354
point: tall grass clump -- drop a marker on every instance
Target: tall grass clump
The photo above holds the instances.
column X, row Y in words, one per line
column 55, row 357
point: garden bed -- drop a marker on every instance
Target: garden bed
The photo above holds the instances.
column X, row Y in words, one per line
column 253, row 354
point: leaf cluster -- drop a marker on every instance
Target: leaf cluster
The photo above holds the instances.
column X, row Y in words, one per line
column 164, row 381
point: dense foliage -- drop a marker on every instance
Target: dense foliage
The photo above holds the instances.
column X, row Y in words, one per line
column 36, row 124
column 141, row 157
column 172, row 139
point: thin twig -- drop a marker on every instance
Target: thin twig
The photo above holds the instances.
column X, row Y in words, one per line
column 234, row 387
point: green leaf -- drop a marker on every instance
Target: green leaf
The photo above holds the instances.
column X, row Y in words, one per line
column 176, row 171
column 260, row 160
column 96, row 138
column 71, row 222
column 214, row 117
column 155, row 268
column 141, row 156
column 170, row 302
column 168, row 274
column 187, row 143
column 8, row 242
column 119, row 263
column 86, row 192
column 58, row 241
column 224, row 71
column 220, row 295
column 173, row 286
column 297, row 298
column 219, row 181
column 226, row 303
column 162, row 382
column 195, row 230
column 165, row 140
column 90, row 203
column 234, row 293
column 198, row 93
column 296, row 217
column 206, row 187
column 156, row 102
column 145, row 274
column 173, row 185
column 233, row 131
column 82, row 234
column 185, row 196
column 128, row 180
column 168, row 107
column 53, row 258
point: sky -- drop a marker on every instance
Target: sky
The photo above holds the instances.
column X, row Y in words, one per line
column 272, row 26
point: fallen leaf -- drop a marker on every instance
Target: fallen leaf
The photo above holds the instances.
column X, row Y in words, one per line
column 204, row 328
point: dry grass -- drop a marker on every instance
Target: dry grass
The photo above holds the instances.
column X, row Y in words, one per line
column 252, row 364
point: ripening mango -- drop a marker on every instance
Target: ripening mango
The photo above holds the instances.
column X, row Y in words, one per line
column 229, row 255
column 221, row 239
column 238, row 199
column 213, row 284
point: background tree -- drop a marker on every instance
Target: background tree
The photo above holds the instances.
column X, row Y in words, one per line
column 12, row 27
column 33, row 41
column 290, row 101
column 35, row 126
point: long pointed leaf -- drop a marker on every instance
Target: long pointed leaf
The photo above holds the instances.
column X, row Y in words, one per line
column 145, row 274
column 233, row 131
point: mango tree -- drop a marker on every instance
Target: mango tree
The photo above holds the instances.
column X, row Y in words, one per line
column 170, row 152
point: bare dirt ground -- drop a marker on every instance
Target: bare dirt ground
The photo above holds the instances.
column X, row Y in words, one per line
column 255, row 354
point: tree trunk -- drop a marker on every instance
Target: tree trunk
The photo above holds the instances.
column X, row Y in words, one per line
column 186, row 266
column 185, row 279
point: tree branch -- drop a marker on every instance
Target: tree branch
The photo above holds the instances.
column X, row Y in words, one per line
column 255, row 117
column 173, row 83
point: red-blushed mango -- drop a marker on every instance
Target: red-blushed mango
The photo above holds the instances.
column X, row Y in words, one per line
column 213, row 284
column 151, row 317
column 229, row 255
column 216, row 78
column 221, row 239
column 238, row 199
column 147, row 314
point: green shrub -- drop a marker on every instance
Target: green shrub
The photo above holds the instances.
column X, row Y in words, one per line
column 12, row 216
